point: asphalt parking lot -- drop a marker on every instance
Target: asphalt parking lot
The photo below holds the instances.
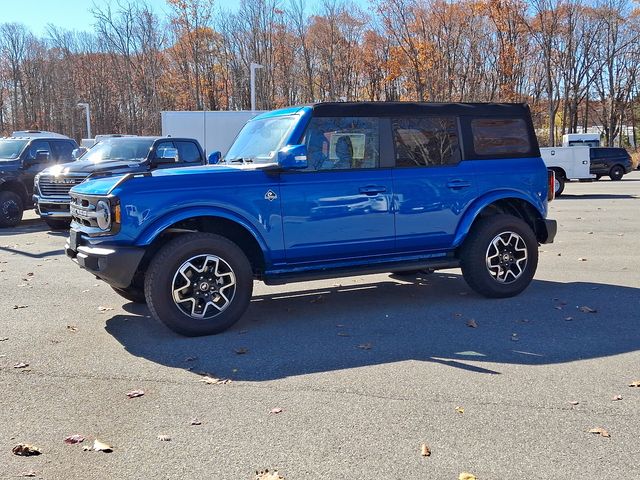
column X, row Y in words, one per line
column 364, row 369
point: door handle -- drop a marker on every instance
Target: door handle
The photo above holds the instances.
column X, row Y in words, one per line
column 458, row 184
column 373, row 189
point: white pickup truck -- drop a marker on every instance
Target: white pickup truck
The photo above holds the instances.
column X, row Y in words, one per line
column 568, row 163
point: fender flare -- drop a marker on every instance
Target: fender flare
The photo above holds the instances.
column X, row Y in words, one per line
column 481, row 203
column 151, row 232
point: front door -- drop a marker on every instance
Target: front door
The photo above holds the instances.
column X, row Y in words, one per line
column 340, row 207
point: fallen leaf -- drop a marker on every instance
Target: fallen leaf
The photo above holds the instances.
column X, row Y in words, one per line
column 635, row 383
column 104, row 309
column 86, row 448
column 425, row 451
column 585, row 309
column 267, row 475
column 617, row 397
column 460, row 410
column 21, row 365
column 135, row 393
column 25, row 450
column 241, row 350
column 164, row 438
column 16, row 307
column 215, row 381
column 85, row 291
column 4, row 339
column 73, row 439
column 364, row 346
column 276, row 410
column 99, row 446
column 467, row 476
column 30, row 473
column 600, row 431
column 574, row 402
column 472, row 323
column 582, row 259
column 195, row 421
column 72, row 328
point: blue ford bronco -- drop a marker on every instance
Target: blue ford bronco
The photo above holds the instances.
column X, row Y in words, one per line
column 321, row 191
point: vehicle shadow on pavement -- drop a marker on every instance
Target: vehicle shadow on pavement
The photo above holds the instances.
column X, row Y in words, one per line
column 427, row 318
column 596, row 196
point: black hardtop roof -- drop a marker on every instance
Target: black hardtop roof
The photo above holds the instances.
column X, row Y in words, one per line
column 364, row 109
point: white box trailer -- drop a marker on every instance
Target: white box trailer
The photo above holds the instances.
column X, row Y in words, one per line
column 568, row 163
column 215, row 130
column 581, row 140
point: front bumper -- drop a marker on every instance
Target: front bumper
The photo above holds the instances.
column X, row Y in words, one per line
column 114, row 265
column 52, row 208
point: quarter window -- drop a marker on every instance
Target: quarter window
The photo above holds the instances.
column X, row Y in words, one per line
column 500, row 136
column 335, row 143
column 426, row 141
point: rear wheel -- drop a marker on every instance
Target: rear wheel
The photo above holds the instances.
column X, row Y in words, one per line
column 616, row 172
column 57, row 224
column 499, row 256
column 11, row 209
column 199, row 284
column 133, row 294
column 559, row 184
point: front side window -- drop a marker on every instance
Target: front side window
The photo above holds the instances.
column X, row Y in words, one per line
column 188, row 152
column 426, row 141
column 342, row 143
column 11, row 149
column 500, row 136
column 259, row 140
column 38, row 146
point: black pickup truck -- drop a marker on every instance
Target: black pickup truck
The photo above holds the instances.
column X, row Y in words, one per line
column 114, row 155
column 21, row 158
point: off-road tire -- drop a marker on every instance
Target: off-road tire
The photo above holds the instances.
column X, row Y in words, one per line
column 11, row 209
column 57, row 224
column 616, row 173
column 163, row 271
column 133, row 294
column 476, row 250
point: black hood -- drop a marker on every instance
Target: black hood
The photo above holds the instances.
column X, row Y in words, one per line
column 105, row 166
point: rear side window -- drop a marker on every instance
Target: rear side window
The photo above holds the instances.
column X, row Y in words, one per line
column 188, row 152
column 339, row 143
column 62, row 150
column 500, row 136
column 426, row 141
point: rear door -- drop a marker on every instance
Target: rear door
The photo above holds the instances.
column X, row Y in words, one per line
column 432, row 185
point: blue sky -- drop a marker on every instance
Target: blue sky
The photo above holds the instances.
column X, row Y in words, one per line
column 68, row 14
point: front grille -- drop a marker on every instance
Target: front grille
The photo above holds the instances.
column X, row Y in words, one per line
column 58, row 186
column 83, row 211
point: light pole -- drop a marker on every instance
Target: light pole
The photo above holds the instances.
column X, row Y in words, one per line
column 86, row 111
column 254, row 67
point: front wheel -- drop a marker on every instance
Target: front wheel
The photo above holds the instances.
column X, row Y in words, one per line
column 499, row 256
column 616, row 172
column 11, row 209
column 199, row 284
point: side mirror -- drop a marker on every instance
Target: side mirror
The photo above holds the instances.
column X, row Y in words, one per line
column 166, row 155
column 214, row 158
column 78, row 152
column 293, row 157
column 42, row 156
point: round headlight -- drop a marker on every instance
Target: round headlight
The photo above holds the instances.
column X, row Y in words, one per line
column 103, row 215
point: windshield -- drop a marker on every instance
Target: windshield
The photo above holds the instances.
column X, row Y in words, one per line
column 128, row 149
column 10, row 149
column 259, row 140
